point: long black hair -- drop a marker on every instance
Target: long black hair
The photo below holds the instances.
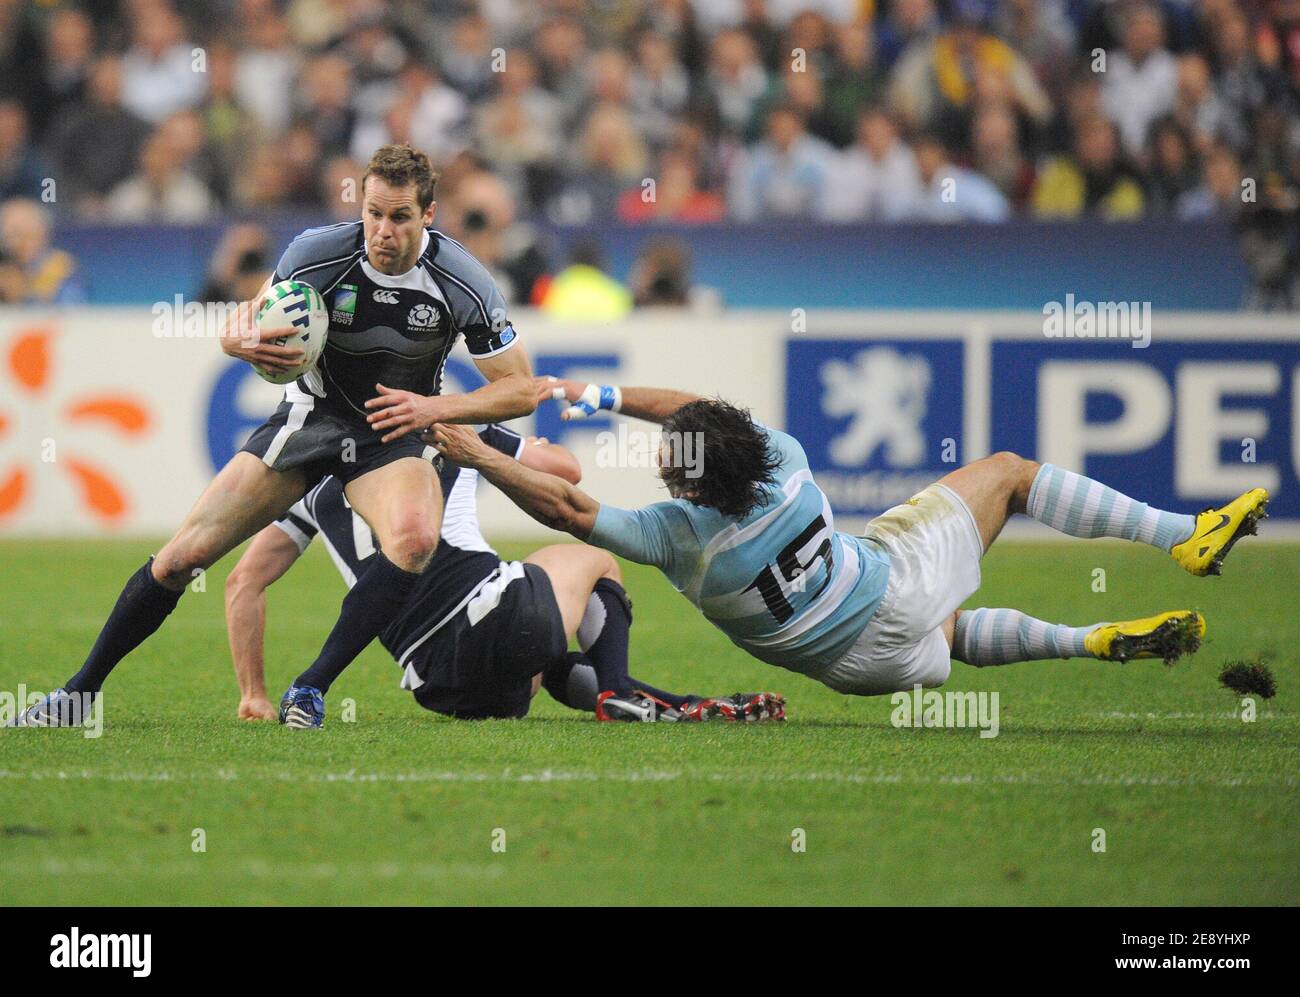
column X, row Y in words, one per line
column 738, row 462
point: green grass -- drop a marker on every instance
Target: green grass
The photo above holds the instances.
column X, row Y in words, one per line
column 400, row 807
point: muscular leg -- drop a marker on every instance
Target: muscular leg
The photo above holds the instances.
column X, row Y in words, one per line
column 588, row 591
column 574, row 570
column 245, row 496
column 402, row 503
column 994, row 488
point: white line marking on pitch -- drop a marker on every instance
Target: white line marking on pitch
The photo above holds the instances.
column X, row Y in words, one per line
column 654, row 775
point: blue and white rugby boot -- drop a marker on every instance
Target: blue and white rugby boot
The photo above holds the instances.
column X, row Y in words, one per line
column 58, row 709
column 302, row 707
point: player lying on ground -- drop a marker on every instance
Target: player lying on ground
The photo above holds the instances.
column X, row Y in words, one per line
column 399, row 294
column 478, row 636
column 750, row 541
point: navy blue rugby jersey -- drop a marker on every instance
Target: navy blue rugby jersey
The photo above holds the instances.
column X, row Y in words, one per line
column 394, row 330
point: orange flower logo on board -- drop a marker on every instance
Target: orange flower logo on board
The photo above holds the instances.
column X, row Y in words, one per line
column 28, row 370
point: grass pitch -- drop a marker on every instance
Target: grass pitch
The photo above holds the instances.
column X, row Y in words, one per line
column 401, row 807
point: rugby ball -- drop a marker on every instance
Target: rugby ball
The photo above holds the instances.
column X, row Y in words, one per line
column 291, row 304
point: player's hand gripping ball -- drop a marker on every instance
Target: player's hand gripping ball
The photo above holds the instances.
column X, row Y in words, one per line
column 298, row 308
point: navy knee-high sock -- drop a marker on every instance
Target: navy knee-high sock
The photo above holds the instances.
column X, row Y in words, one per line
column 603, row 635
column 375, row 600
column 572, row 681
column 139, row 611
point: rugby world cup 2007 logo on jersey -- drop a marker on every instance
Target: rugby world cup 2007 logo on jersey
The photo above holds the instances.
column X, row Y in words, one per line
column 345, row 304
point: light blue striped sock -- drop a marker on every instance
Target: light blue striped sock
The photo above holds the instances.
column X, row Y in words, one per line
column 1081, row 507
column 1001, row 636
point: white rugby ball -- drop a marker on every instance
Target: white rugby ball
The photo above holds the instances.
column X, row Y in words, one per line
column 291, row 304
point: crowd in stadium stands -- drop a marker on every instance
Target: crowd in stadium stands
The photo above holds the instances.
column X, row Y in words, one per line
column 577, row 111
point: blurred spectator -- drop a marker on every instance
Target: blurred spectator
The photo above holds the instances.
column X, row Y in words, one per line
column 675, row 196
column 518, row 131
column 1172, row 170
column 583, row 292
column 952, row 193
column 466, row 57
column 22, row 169
column 935, row 83
column 479, row 212
column 756, row 22
column 610, row 156
column 1042, row 32
column 1095, row 181
column 661, row 275
column 325, row 96
column 737, row 81
column 660, row 87
column 800, row 89
column 265, row 103
column 1198, row 109
column 65, row 70
column 101, row 124
column 995, row 142
column 784, row 176
column 240, row 264
column 266, row 66
column 40, row 274
column 440, row 118
column 160, row 73
column 229, row 130
column 1270, row 241
column 876, row 178
column 1141, row 81
column 1220, row 193
column 1243, row 83
column 562, row 58
column 907, row 23
column 162, row 190
column 853, row 81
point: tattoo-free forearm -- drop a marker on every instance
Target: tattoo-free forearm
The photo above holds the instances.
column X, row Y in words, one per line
column 246, row 628
column 550, row 500
column 509, row 397
column 654, row 404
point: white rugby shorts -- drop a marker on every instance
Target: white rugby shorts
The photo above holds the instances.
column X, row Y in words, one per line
column 934, row 551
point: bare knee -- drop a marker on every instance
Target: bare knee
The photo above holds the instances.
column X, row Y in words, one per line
column 180, row 560
column 411, row 545
column 1018, row 475
column 609, row 567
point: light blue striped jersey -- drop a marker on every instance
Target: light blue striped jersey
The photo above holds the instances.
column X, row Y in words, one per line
column 781, row 583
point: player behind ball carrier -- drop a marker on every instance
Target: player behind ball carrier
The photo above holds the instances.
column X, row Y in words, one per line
column 478, row 635
column 399, row 296
column 751, row 542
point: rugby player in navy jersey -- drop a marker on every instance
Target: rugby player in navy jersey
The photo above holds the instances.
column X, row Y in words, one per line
column 479, row 636
column 400, row 295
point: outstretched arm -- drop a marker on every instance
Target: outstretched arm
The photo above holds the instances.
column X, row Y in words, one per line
column 269, row 556
column 650, row 404
column 550, row 500
column 508, row 394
